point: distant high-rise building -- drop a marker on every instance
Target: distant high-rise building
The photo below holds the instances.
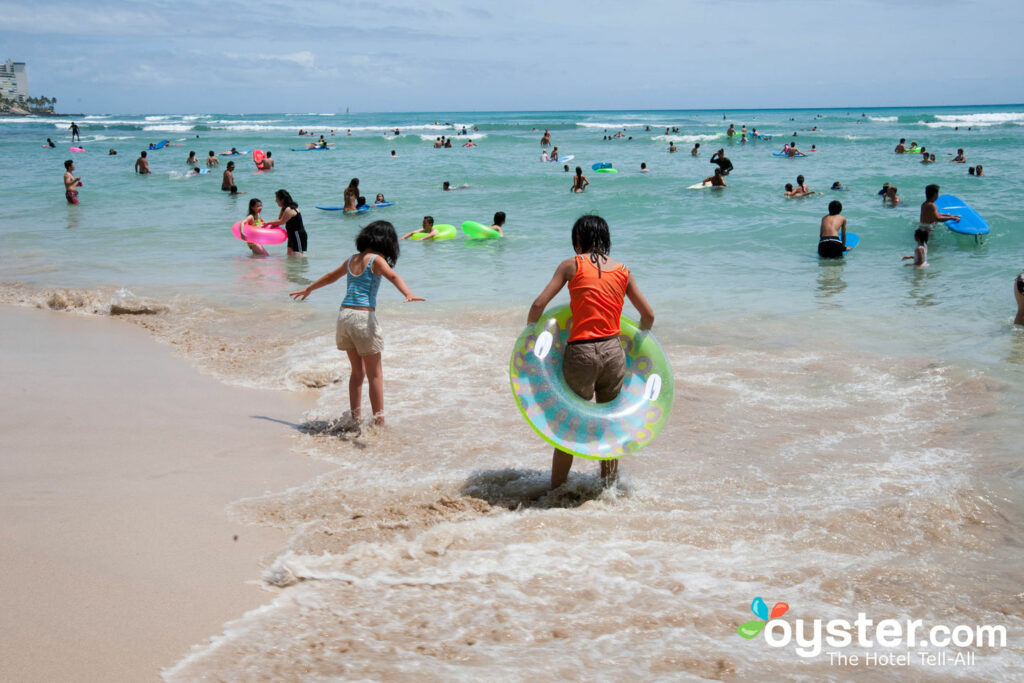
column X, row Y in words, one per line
column 13, row 80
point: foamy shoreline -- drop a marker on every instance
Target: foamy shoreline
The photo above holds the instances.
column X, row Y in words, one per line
column 119, row 461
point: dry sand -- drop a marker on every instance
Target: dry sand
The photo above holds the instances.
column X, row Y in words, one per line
column 116, row 463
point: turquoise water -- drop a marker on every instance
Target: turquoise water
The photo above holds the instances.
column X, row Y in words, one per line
column 741, row 255
column 845, row 435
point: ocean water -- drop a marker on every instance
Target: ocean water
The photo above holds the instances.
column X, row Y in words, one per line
column 845, row 436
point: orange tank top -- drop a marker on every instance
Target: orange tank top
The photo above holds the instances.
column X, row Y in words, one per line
column 596, row 297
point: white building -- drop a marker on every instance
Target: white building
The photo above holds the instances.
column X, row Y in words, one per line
column 13, row 81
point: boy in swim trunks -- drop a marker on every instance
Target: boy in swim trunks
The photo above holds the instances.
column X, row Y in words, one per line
column 428, row 229
column 594, row 362
column 832, row 233
column 71, row 182
column 929, row 212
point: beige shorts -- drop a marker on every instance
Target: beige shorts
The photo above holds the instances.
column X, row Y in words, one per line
column 595, row 369
column 359, row 331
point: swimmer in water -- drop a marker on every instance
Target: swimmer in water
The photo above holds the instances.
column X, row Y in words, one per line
column 227, row 180
column 579, row 181
column 71, row 182
column 716, row 180
column 643, row 167
column 890, row 198
column 696, row 149
column 253, row 220
column 902, row 147
column 929, row 212
column 142, row 165
column 427, row 228
column 672, row 146
column 920, row 255
column 832, row 233
column 499, row 220
column 212, row 160
column 723, row 162
column 1018, row 294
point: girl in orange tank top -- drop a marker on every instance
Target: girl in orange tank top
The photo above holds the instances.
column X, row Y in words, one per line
column 594, row 362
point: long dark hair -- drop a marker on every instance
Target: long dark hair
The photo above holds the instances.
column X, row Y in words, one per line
column 286, row 199
column 379, row 236
column 353, row 187
column 590, row 234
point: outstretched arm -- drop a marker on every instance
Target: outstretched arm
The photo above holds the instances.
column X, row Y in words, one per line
column 640, row 302
column 563, row 272
column 325, row 280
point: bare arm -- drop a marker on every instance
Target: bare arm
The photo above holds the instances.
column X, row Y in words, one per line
column 287, row 214
column 563, row 272
column 325, row 280
column 381, row 267
column 640, row 303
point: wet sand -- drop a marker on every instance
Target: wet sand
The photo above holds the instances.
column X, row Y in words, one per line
column 117, row 462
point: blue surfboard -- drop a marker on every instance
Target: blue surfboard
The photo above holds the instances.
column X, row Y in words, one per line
column 783, row 154
column 380, row 204
column 311, row 149
column 331, row 208
column 970, row 222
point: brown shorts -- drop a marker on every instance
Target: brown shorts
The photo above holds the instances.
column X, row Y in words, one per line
column 595, row 369
column 359, row 331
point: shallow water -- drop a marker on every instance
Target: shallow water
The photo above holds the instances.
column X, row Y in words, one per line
column 845, row 436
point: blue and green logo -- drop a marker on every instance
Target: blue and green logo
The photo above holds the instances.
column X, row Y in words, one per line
column 753, row 627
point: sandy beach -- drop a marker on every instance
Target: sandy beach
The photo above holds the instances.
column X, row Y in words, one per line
column 117, row 461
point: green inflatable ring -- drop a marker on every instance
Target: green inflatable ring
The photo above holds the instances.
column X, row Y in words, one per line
column 607, row 170
column 479, row 231
column 444, row 232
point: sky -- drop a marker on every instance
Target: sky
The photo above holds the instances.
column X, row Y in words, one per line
column 189, row 56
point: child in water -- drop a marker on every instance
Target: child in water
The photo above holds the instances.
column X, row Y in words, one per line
column 253, row 220
column 920, row 254
column 357, row 333
column 427, row 229
column 594, row 365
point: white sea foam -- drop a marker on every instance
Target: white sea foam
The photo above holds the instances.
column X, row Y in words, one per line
column 990, row 119
column 170, row 127
column 883, row 119
column 686, row 138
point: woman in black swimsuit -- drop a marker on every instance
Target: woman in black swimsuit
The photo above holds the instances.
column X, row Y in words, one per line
column 291, row 219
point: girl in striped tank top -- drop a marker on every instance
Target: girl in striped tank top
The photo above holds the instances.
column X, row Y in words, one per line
column 358, row 333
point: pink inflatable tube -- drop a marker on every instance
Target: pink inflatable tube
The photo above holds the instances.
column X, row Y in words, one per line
column 274, row 235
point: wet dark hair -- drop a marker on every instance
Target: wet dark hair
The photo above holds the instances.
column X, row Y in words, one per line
column 379, row 236
column 590, row 234
column 429, row 219
column 143, row 155
column 212, row 153
column 789, row 187
column 191, row 154
column 499, row 218
column 579, row 171
column 835, row 207
column 67, row 164
column 353, row 184
column 921, row 235
column 286, row 199
column 800, row 180
column 1020, row 283
column 970, row 170
column 931, row 192
column 253, row 202
column 231, row 165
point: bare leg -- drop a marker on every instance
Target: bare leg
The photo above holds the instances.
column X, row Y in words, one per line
column 374, row 370
column 609, row 472
column 355, row 383
column 561, row 463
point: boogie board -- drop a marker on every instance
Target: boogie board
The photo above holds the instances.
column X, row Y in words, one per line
column 600, row 165
column 159, row 145
column 970, row 222
column 783, row 154
column 561, row 159
column 852, row 240
column 311, row 149
column 380, row 204
column 699, row 186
